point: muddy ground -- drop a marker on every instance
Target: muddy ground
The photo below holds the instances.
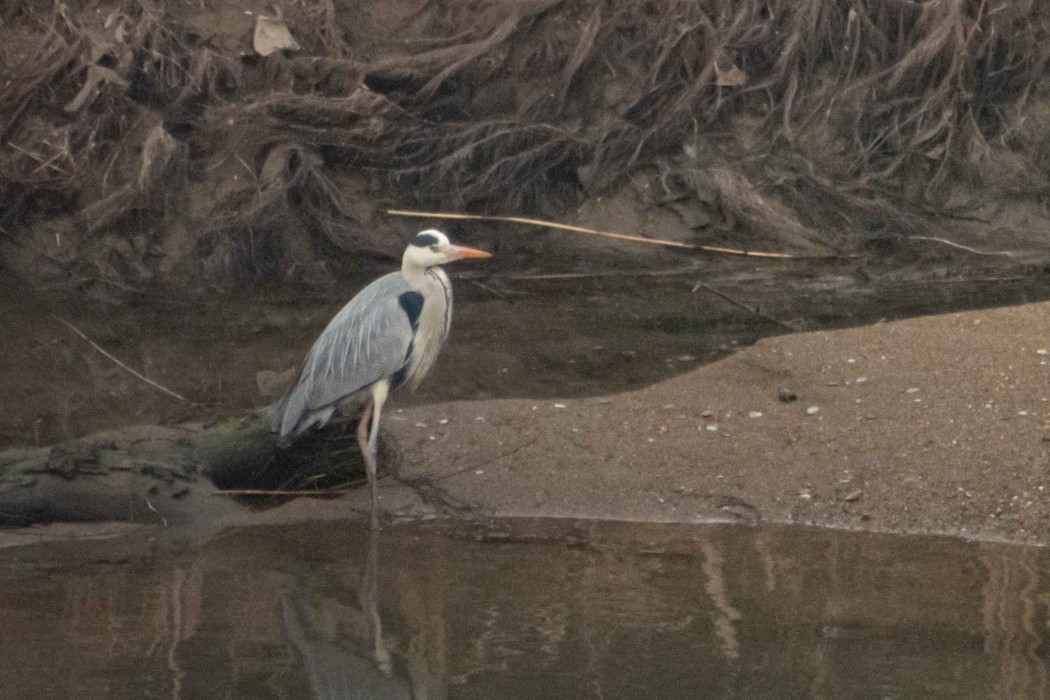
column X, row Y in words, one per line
column 622, row 397
column 935, row 424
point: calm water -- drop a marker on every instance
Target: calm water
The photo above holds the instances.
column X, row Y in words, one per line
column 536, row 609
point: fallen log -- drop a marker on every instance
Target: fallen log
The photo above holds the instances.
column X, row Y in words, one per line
column 171, row 475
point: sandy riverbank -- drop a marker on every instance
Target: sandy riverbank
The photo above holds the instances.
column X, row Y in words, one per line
column 932, row 424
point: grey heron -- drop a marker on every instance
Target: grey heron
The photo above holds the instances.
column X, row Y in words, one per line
column 387, row 336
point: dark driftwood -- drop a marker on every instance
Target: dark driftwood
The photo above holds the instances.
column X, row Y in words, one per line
column 151, row 474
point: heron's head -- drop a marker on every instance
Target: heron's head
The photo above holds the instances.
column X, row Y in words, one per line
column 431, row 247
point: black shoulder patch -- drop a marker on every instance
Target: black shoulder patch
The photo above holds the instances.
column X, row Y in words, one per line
column 412, row 303
column 399, row 378
column 402, row 373
column 425, row 239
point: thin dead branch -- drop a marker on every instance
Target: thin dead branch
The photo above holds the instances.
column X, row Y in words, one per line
column 111, row 358
column 960, row 246
column 740, row 304
column 285, row 492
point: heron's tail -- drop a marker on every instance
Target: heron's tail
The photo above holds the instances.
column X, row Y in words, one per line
column 293, row 415
column 277, row 417
column 289, row 412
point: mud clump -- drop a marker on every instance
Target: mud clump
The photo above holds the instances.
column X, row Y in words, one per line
column 206, row 143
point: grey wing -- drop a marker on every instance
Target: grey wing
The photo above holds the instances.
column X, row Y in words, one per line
column 369, row 339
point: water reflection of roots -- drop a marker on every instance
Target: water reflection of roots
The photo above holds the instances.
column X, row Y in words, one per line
column 1012, row 607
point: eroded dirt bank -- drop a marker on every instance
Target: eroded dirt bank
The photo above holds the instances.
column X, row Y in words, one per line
column 933, row 424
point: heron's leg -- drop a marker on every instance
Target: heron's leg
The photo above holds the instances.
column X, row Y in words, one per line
column 380, row 390
column 370, row 462
column 362, row 428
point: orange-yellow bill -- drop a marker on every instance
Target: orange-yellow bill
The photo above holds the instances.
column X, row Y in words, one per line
column 458, row 251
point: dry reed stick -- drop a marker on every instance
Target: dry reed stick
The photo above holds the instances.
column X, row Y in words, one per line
column 593, row 232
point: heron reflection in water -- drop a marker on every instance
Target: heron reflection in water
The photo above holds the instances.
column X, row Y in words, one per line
column 361, row 665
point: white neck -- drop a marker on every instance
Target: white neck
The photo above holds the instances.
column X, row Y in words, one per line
column 433, row 323
column 412, row 268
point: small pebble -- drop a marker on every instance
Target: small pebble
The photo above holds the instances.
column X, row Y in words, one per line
column 707, row 414
column 786, row 395
column 755, row 414
column 421, row 425
column 713, row 428
column 912, row 390
column 1042, row 351
column 861, row 380
column 443, row 421
column 559, row 405
column 812, row 410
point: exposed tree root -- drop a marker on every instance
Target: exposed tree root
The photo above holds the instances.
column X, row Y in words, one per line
column 805, row 122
